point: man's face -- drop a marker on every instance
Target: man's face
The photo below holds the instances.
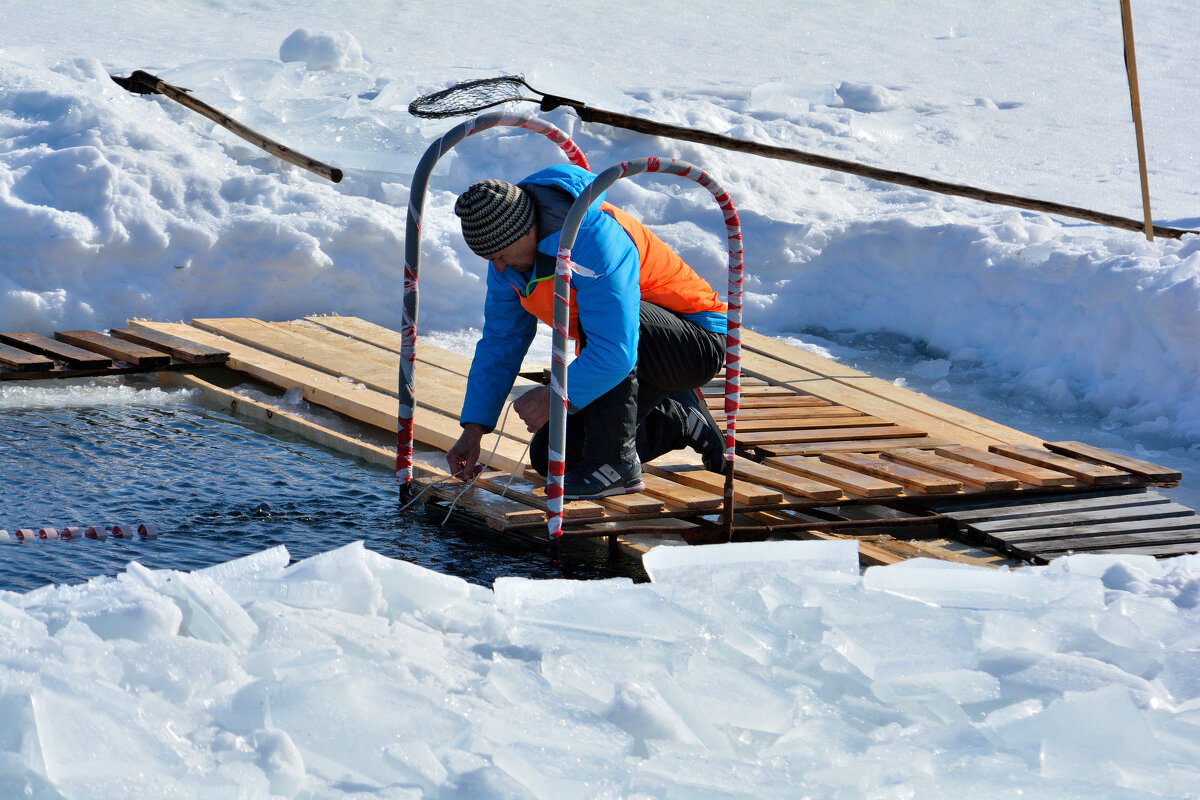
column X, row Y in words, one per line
column 519, row 255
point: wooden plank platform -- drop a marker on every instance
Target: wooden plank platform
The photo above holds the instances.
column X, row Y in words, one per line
column 816, row 440
column 89, row 354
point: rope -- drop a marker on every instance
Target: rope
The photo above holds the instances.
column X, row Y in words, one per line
column 438, row 484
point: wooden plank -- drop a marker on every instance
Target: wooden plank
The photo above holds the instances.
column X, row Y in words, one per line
column 802, row 370
column 1095, row 474
column 849, row 480
column 363, row 330
column 505, row 484
column 636, row 503
column 1100, row 539
column 758, row 388
column 802, row 423
column 755, row 438
column 903, row 474
column 680, row 495
column 788, row 481
column 374, row 408
column 1022, row 471
column 1161, row 550
column 177, row 346
column 24, row 360
column 789, row 412
column 1033, row 527
column 1143, row 469
column 781, row 401
column 114, row 348
column 1043, row 509
column 43, row 345
column 851, row 446
column 745, row 493
column 968, row 474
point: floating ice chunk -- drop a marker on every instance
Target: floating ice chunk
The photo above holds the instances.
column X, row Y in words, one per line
column 412, row 588
column 18, row 628
column 552, row 771
column 1181, row 674
column 549, row 612
column 419, row 764
column 263, row 565
column 178, row 667
column 348, row 569
column 19, row 740
column 966, row 586
column 736, row 697
column 334, row 51
column 750, row 561
column 341, row 723
column 960, row 685
column 1070, row 672
column 209, row 613
column 113, row 609
column 906, row 645
column 519, row 594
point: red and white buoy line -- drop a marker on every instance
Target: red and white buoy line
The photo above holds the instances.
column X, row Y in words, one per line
column 143, row 530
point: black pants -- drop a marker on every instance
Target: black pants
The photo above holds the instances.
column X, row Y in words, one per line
column 674, row 355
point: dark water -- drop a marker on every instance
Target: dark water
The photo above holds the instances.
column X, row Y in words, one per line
column 218, row 488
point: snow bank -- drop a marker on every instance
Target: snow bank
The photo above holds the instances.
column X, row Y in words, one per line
column 762, row 670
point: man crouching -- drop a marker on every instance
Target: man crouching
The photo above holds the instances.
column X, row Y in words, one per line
column 648, row 330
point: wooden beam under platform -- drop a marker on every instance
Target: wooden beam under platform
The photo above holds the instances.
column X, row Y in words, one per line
column 828, row 452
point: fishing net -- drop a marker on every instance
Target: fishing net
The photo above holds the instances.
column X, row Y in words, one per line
column 469, row 97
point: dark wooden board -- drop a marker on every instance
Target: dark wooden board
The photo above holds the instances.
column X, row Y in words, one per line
column 1145, row 513
column 178, row 347
column 43, row 345
column 1119, row 537
column 1051, row 507
column 23, row 360
column 118, row 349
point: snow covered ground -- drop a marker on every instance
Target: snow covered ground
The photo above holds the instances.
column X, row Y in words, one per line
column 349, row 675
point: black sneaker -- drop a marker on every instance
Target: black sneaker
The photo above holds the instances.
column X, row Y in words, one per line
column 701, row 431
column 588, row 481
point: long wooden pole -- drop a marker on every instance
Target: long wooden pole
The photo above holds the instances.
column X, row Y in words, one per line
column 1131, row 69
column 145, row 83
column 589, row 114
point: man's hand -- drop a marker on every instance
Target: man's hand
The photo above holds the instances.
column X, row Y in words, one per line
column 533, row 408
column 463, row 456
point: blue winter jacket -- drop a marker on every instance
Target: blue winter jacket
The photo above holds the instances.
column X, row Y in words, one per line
column 606, row 294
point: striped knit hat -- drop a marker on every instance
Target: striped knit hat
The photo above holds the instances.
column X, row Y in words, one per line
column 494, row 214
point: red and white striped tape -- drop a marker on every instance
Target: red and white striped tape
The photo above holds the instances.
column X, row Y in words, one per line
column 143, row 530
